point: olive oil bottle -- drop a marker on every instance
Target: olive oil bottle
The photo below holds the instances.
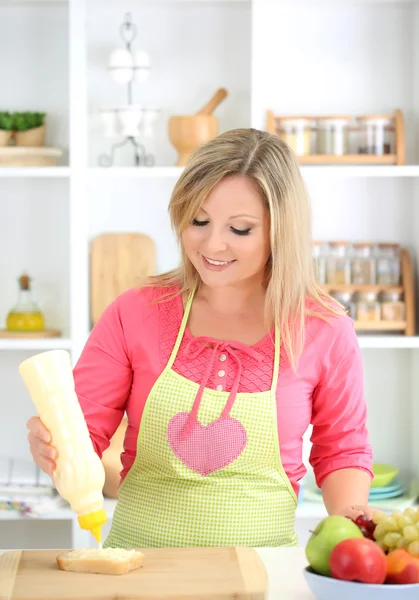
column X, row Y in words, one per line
column 25, row 316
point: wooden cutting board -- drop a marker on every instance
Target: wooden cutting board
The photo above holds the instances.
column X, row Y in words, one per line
column 167, row 574
column 117, row 262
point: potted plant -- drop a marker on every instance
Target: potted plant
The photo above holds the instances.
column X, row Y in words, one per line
column 6, row 128
column 29, row 128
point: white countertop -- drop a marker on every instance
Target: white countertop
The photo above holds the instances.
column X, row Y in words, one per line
column 285, row 572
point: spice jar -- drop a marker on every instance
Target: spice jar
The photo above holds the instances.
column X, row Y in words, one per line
column 319, row 256
column 338, row 264
column 346, row 299
column 296, row 132
column 368, row 308
column 332, row 135
column 377, row 134
column 392, row 306
column 388, row 264
column 363, row 264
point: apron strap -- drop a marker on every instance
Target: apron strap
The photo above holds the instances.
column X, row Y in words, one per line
column 202, row 344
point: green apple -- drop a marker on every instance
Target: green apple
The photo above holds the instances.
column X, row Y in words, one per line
column 328, row 533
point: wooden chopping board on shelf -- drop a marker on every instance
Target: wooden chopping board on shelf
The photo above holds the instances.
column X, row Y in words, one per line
column 117, row 262
column 167, row 574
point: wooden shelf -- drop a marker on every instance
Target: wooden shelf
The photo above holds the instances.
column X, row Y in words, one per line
column 348, row 159
column 362, row 288
column 380, row 325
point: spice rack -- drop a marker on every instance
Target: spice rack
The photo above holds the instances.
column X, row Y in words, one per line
column 365, row 319
column 364, row 140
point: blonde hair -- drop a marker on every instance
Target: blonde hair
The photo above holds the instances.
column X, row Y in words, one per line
column 291, row 273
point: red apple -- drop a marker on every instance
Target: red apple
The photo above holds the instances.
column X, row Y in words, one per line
column 402, row 567
column 358, row 559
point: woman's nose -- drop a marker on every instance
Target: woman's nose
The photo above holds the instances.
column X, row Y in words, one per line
column 215, row 243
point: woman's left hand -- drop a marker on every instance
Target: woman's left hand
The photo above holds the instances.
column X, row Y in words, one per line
column 352, row 512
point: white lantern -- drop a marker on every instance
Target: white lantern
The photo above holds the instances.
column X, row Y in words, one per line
column 121, row 65
column 141, row 66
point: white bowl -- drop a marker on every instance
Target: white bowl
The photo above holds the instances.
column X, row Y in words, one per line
column 327, row 588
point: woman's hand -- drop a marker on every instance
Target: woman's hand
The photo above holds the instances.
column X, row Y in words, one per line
column 44, row 454
column 352, row 512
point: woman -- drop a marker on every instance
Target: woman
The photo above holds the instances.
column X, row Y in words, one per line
column 222, row 365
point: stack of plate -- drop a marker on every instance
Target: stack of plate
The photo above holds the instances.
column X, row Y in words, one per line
column 386, row 483
column 393, row 490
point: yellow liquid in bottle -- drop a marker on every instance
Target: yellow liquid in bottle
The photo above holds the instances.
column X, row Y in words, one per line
column 20, row 321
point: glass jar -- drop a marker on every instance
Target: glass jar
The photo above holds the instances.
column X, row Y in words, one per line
column 377, row 135
column 319, row 256
column 332, row 135
column 296, row 132
column 338, row 264
column 368, row 308
column 363, row 264
column 346, row 299
column 388, row 264
column 393, row 307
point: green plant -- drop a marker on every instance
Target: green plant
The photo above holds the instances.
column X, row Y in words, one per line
column 6, row 121
column 23, row 121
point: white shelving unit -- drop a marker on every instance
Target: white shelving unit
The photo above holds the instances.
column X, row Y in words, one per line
column 346, row 56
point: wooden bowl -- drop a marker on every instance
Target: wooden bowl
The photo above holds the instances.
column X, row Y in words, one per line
column 187, row 133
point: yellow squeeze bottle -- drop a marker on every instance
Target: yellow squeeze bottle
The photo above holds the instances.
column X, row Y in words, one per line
column 79, row 476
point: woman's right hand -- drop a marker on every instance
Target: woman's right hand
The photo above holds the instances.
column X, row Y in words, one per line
column 39, row 437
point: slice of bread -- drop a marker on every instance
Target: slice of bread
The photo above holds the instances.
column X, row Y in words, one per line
column 106, row 561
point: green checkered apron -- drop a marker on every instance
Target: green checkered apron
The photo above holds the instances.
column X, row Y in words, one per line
column 208, row 470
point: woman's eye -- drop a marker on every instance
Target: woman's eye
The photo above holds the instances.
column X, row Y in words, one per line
column 199, row 223
column 240, row 231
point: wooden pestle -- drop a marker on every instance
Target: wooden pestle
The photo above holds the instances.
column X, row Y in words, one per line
column 212, row 104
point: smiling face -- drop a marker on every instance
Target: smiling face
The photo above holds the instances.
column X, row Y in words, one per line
column 228, row 240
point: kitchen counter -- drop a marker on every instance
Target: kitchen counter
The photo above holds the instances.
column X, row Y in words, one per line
column 285, row 572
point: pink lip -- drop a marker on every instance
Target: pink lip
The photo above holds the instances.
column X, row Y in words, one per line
column 211, row 267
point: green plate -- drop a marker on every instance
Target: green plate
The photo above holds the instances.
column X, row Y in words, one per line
column 383, row 474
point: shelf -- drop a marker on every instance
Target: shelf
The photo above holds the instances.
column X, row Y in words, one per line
column 41, row 344
column 388, row 342
column 135, row 172
column 360, row 170
column 329, row 287
column 22, row 172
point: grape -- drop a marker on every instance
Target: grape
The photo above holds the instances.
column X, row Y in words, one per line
column 411, row 514
column 392, row 538
column 410, row 533
column 403, row 543
column 390, row 524
column 413, row 548
column 378, row 516
column 404, row 521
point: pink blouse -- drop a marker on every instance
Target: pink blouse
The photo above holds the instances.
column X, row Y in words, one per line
column 131, row 344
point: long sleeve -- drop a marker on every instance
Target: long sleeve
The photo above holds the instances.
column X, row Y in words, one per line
column 103, row 378
column 339, row 414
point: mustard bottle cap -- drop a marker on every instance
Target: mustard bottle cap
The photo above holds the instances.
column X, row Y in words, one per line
column 93, row 522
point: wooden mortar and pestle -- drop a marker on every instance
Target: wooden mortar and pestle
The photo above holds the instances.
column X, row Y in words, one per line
column 187, row 133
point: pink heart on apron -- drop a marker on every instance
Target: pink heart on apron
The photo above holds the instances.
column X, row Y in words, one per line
column 207, row 448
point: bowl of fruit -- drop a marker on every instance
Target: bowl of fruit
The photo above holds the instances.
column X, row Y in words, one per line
column 365, row 559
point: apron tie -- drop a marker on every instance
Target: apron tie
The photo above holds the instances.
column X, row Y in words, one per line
column 202, row 343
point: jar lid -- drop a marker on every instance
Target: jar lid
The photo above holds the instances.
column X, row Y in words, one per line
column 391, row 296
column 388, row 245
column 339, row 243
column 362, row 244
column 368, row 296
column 342, row 296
